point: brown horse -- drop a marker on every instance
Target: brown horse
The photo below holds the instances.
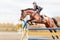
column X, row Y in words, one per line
column 37, row 18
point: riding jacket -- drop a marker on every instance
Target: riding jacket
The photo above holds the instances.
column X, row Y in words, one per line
column 37, row 8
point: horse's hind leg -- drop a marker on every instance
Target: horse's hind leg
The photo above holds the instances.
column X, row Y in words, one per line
column 50, row 30
column 53, row 37
column 55, row 31
column 56, row 35
column 55, row 21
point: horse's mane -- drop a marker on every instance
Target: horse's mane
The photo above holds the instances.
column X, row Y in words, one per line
column 29, row 9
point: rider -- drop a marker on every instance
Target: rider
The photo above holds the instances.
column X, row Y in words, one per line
column 37, row 8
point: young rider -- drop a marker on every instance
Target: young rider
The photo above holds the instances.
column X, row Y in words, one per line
column 37, row 8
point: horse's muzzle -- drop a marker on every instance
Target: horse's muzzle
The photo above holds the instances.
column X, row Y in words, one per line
column 21, row 19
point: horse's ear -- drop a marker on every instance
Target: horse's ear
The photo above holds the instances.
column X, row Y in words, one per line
column 22, row 10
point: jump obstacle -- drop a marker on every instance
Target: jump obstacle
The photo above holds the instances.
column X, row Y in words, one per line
column 27, row 27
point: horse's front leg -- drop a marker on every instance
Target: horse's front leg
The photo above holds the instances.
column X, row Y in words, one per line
column 30, row 22
column 34, row 22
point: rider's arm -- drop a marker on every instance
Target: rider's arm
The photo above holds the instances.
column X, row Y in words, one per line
column 39, row 8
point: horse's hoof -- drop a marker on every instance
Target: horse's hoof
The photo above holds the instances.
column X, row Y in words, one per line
column 57, row 37
column 29, row 23
column 53, row 37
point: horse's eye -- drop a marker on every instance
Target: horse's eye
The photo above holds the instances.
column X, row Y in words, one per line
column 21, row 13
column 22, row 10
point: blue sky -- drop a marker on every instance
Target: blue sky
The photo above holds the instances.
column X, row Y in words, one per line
column 10, row 9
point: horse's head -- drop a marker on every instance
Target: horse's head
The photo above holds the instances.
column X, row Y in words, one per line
column 26, row 12
column 23, row 15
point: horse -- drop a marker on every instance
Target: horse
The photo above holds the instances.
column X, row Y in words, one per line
column 35, row 17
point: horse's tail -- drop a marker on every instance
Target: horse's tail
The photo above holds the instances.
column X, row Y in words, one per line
column 55, row 21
